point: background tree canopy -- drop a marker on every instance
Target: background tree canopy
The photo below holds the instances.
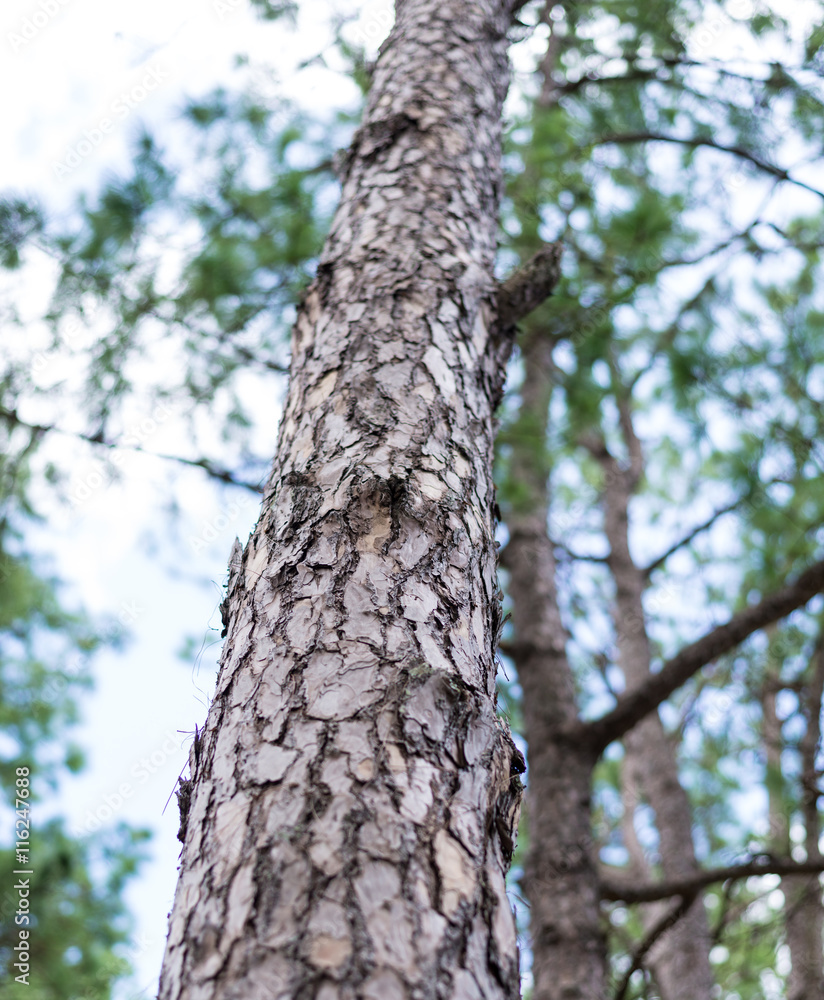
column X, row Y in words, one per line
column 675, row 151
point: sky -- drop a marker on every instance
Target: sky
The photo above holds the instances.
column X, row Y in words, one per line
column 84, row 76
column 76, row 64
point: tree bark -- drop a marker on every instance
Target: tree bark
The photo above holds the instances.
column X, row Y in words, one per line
column 680, row 960
column 561, row 875
column 805, row 913
column 354, row 798
column 804, row 916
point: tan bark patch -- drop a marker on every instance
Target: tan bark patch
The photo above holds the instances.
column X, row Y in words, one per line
column 456, row 872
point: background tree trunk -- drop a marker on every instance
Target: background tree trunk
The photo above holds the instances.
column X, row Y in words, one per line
column 353, row 798
column 561, row 872
column 680, row 960
column 805, row 914
column 804, row 918
column 561, row 875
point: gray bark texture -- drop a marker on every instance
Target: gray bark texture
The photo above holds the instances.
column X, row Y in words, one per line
column 560, row 873
column 354, row 799
column 680, row 960
column 804, row 916
column 802, row 893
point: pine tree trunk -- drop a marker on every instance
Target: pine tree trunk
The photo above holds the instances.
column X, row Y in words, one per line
column 561, row 875
column 569, row 960
column 804, row 916
column 680, row 960
column 353, row 797
column 803, row 906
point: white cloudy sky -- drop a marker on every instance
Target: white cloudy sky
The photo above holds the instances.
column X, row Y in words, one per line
column 80, row 58
column 89, row 53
